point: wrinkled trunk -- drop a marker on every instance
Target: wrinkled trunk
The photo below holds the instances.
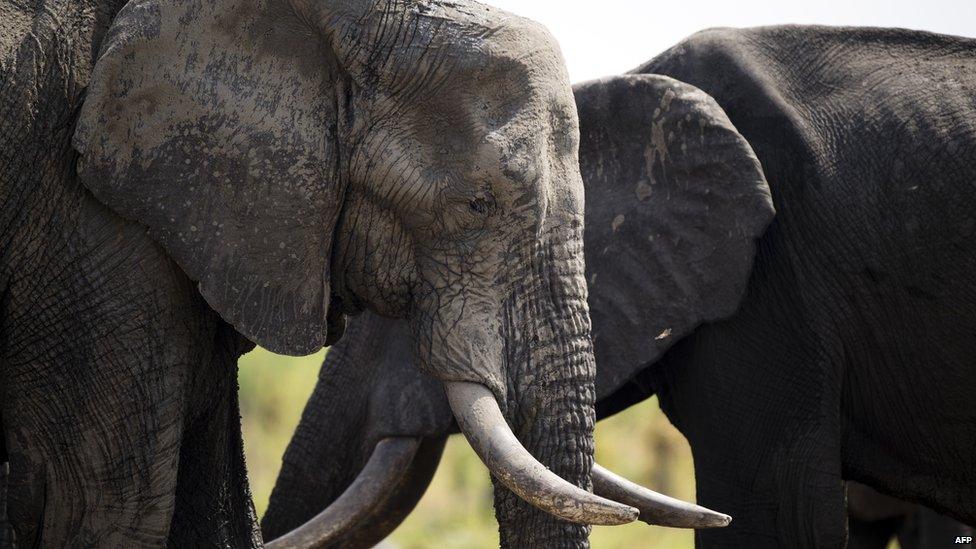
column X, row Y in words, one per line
column 550, row 390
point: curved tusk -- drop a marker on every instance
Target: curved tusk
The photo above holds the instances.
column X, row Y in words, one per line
column 655, row 508
column 387, row 464
column 383, row 519
column 482, row 423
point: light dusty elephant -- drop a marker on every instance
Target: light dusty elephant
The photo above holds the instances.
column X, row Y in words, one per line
column 262, row 168
column 839, row 348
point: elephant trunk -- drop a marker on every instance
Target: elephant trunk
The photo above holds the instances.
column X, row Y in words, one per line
column 551, row 372
column 327, row 450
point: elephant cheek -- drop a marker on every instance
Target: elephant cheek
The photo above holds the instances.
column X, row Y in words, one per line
column 463, row 344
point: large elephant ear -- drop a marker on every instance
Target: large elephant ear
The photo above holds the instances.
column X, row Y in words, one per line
column 675, row 199
column 212, row 122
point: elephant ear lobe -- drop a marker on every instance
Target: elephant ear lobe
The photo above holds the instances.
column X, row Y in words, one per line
column 213, row 124
column 675, row 199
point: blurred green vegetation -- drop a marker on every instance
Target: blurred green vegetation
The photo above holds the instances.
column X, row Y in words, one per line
column 273, row 392
column 456, row 511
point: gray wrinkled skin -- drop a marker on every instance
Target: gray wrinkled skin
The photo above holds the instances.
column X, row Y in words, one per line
column 841, row 350
column 339, row 175
column 117, row 382
column 272, row 166
column 850, row 355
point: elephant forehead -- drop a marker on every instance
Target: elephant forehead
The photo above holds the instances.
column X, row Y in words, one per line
column 438, row 45
column 474, row 28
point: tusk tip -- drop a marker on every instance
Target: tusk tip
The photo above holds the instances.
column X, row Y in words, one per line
column 716, row 520
column 624, row 514
column 655, row 509
column 706, row 519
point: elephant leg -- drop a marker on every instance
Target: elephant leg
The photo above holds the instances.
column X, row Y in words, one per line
column 102, row 335
column 790, row 497
column 872, row 534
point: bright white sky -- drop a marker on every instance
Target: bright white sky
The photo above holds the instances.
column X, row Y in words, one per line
column 604, row 37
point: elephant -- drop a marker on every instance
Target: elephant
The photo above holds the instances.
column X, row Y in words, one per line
column 831, row 340
column 183, row 180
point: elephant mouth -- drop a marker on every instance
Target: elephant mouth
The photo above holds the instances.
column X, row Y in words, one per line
column 614, row 500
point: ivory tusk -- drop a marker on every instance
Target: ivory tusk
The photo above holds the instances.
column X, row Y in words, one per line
column 483, row 424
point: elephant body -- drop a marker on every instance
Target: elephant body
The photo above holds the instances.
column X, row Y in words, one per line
column 839, row 347
column 118, row 391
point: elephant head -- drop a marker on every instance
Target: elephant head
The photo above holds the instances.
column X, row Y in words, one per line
column 675, row 200
column 306, row 160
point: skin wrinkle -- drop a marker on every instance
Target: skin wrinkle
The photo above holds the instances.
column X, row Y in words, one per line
column 541, row 398
column 442, row 263
column 44, row 260
column 38, row 262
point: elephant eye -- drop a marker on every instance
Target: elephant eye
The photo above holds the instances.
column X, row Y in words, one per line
column 482, row 205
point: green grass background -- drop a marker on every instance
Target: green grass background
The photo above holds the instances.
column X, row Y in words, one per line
column 456, row 511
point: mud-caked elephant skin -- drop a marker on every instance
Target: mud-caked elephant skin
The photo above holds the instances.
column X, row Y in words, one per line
column 694, row 175
column 118, row 399
column 184, row 179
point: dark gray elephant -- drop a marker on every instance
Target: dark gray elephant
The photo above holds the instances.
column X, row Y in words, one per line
column 253, row 171
column 842, row 350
